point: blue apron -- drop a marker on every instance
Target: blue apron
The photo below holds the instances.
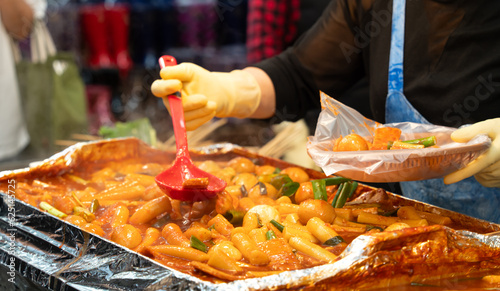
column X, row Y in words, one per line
column 467, row 196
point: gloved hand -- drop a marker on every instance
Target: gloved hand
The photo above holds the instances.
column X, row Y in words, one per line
column 207, row 94
column 486, row 168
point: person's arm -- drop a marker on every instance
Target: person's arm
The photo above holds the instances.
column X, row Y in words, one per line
column 289, row 82
column 17, row 17
column 267, row 103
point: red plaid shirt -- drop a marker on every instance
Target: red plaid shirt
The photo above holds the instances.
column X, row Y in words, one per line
column 271, row 27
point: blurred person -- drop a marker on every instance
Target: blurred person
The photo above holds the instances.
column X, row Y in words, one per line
column 451, row 77
column 16, row 20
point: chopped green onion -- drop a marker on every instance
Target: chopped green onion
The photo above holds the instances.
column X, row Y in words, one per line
column 52, row 210
column 277, row 170
column 354, row 186
column 335, row 180
column 211, row 227
column 334, row 241
column 343, row 195
column 196, row 243
column 319, row 189
column 278, row 225
column 270, row 235
column 426, row 141
column 235, row 217
column 339, row 190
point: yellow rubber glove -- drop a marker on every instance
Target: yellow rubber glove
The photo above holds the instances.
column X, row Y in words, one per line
column 486, row 168
column 207, row 94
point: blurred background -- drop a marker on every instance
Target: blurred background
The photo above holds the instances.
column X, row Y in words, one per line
column 116, row 46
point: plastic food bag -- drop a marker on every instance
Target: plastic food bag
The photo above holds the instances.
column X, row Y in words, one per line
column 337, row 119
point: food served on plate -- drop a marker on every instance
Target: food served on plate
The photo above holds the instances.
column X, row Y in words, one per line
column 385, row 138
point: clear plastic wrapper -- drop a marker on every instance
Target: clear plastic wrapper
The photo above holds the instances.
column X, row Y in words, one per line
column 44, row 251
column 337, row 119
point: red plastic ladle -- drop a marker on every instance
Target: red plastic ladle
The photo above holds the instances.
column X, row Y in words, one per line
column 171, row 180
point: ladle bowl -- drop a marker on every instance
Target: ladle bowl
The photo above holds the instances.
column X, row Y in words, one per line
column 183, row 180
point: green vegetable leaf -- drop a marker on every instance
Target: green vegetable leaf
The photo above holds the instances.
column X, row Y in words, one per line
column 140, row 128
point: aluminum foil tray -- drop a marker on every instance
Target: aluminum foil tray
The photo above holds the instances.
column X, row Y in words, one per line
column 40, row 251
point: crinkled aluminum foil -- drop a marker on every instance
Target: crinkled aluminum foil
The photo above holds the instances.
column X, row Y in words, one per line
column 50, row 253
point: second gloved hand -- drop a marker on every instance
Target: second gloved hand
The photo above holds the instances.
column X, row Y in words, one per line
column 486, row 168
column 207, row 94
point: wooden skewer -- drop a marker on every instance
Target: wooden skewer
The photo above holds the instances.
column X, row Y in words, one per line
column 282, row 142
column 195, row 137
column 78, row 138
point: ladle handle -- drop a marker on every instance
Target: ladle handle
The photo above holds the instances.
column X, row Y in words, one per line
column 177, row 112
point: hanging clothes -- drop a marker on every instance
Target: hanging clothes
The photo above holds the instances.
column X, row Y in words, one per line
column 271, row 27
